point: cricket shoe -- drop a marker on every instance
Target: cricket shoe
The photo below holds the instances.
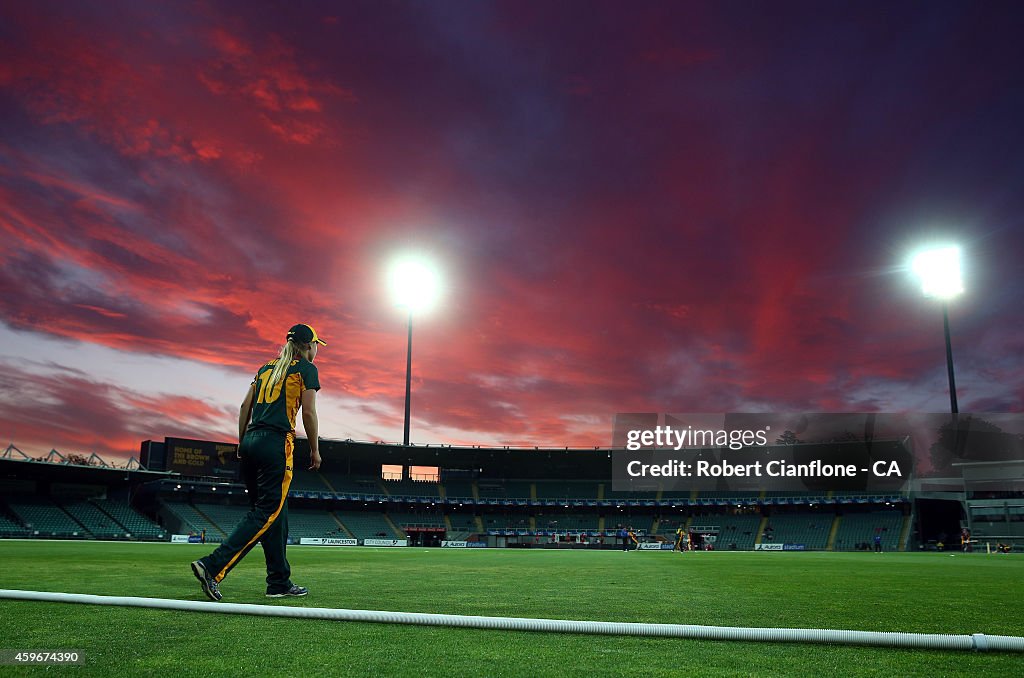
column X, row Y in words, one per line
column 210, row 586
column 293, row 592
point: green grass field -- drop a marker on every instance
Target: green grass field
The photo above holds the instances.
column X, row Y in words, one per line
column 917, row 592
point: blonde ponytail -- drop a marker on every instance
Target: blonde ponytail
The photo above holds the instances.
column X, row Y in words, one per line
column 284, row 360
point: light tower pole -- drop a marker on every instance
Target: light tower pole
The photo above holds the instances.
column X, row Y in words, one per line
column 938, row 270
column 415, row 287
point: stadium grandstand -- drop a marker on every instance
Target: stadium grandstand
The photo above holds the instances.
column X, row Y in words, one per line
column 496, row 497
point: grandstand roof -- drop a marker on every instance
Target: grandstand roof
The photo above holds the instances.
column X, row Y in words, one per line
column 31, row 469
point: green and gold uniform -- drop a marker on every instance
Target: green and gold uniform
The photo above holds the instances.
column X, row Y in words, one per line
column 273, row 410
column 267, row 462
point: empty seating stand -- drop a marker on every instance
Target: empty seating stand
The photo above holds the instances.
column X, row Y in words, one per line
column 505, row 489
column 11, row 527
column 566, row 490
column 353, row 484
column 313, row 523
column 411, row 488
column 858, row 530
column 367, row 525
column 406, row 519
column 194, row 521
column 308, row 481
column 740, row 530
column 98, row 523
column 462, row 526
column 519, row 523
column 567, row 522
column 810, row 529
column 43, row 518
column 134, row 523
column 224, row 516
column 458, row 488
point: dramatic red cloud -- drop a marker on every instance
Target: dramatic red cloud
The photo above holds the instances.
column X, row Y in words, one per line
column 68, row 410
column 635, row 211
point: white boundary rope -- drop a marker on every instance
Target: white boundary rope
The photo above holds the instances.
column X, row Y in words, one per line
column 937, row 641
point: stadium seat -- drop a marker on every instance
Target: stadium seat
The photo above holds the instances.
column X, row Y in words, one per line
column 223, row 516
column 404, row 519
column 367, row 525
column 411, row 488
column 567, row 522
column 11, row 527
column 133, row 522
column 731, row 529
column 43, row 518
column 309, row 481
column 566, row 490
column 859, row 528
column 99, row 524
column 313, row 523
column 459, row 488
column 352, row 484
column 193, row 521
column 810, row 529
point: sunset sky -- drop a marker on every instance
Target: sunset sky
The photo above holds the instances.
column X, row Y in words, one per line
column 670, row 207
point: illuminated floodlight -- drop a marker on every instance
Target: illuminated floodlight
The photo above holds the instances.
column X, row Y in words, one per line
column 938, row 270
column 415, row 283
column 415, row 286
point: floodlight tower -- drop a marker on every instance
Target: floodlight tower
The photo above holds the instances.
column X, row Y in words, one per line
column 415, row 286
column 938, row 270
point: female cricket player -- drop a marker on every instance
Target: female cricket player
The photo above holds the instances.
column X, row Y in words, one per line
column 266, row 433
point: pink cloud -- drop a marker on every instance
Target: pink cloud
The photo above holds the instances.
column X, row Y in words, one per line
column 75, row 413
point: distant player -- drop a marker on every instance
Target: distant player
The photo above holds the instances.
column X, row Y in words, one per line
column 680, row 538
column 878, row 542
column 266, row 432
column 635, row 542
column 965, row 540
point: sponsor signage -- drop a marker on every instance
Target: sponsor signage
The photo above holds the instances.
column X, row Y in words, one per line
column 186, row 539
column 767, row 547
column 328, row 541
column 476, row 545
column 453, row 544
column 649, row 546
column 794, row 547
column 385, row 542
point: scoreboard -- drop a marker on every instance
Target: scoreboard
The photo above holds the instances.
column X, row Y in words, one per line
column 202, row 458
